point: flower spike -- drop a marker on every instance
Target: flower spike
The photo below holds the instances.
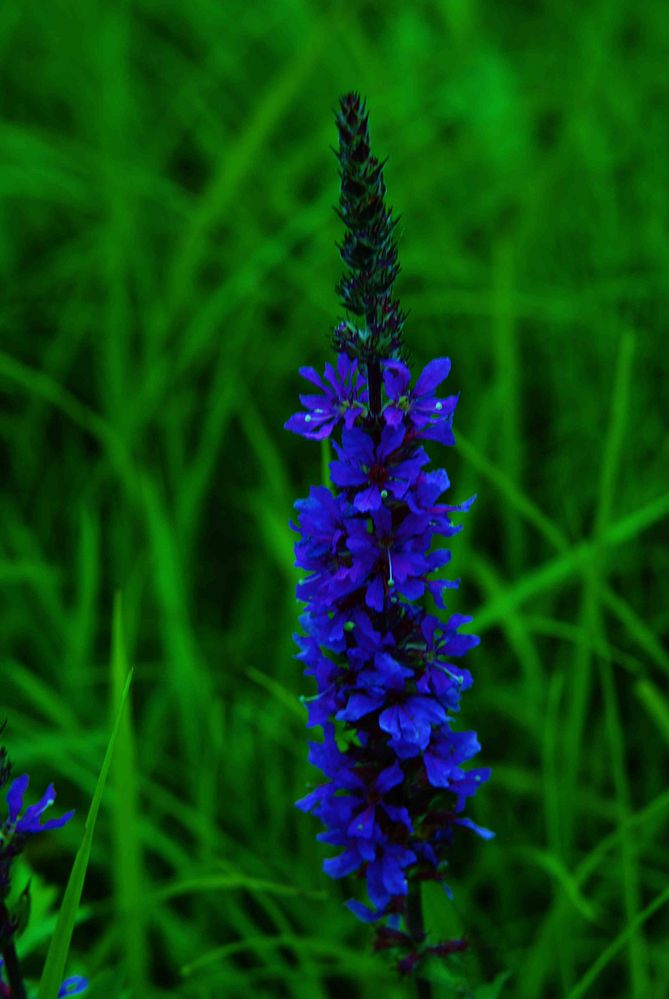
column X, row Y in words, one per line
column 395, row 765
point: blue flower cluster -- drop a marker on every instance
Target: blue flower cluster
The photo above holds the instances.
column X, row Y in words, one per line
column 395, row 784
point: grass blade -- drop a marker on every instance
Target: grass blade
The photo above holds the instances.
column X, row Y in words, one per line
column 129, row 887
column 54, row 968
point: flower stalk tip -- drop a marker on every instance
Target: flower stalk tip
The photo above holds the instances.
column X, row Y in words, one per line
column 369, row 251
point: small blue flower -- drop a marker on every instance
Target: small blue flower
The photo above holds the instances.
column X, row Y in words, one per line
column 381, row 468
column 343, row 400
column 429, row 418
column 72, row 986
column 29, row 823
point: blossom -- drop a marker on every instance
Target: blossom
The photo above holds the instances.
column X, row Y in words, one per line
column 30, row 823
column 396, row 767
column 342, row 398
column 428, row 417
column 17, row 827
column 73, row 986
column 361, row 820
column 381, row 468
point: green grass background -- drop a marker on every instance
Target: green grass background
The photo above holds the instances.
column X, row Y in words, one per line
column 167, row 258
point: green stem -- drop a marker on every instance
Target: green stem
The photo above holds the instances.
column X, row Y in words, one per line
column 374, row 384
column 416, row 930
column 12, row 967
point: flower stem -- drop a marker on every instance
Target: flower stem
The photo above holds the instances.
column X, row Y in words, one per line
column 416, row 930
column 374, row 383
column 12, row 967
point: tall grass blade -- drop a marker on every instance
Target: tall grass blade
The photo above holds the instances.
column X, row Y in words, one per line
column 54, row 967
column 128, row 865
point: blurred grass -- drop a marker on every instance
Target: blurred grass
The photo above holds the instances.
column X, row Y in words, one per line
column 166, row 248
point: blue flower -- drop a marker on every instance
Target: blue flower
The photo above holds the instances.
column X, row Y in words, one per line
column 344, row 399
column 30, row 823
column 429, row 418
column 73, row 986
column 406, row 716
column 381, row 468
column 356, row 808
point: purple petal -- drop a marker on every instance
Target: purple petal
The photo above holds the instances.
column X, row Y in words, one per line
column 15, row 796
column 389, row 667
column 439, row 558
column 345, row 863
column 403, row 723
column 439, row 771
column 398, row 488
column 331, row 377
column 364, row 823
column 464, row 506
column 412, row 589
column 390, row 777
column 345, row 366
column 318, row 402
column 312, row 375
column 360, row 705
column 432, row 375
column 405, row 566
column 404, row 750
column 457, row 645
column 396, row 378
column 368, row 499
column 351, row 415
column 363, row 912
column 393, row 416
column 310, row 800
column 429, row 709
column 394, row 878
column 343, row 474
column 398, row 813
column 430, row 623
column 383, row 521
column 357, row 442
column 456, row 621
column 374, row 595
column 440, row 432
column 73, row 986
column 465, row 745
column 376, row 889
column 391, row 438
column 479, row 830
column 311, row 428
column 431, row 411
column 56, row 823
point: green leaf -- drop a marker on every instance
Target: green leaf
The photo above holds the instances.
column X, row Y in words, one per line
column 493, row 989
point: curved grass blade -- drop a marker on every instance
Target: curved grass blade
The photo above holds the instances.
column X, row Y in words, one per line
column 595, row 969
column 54, row 967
